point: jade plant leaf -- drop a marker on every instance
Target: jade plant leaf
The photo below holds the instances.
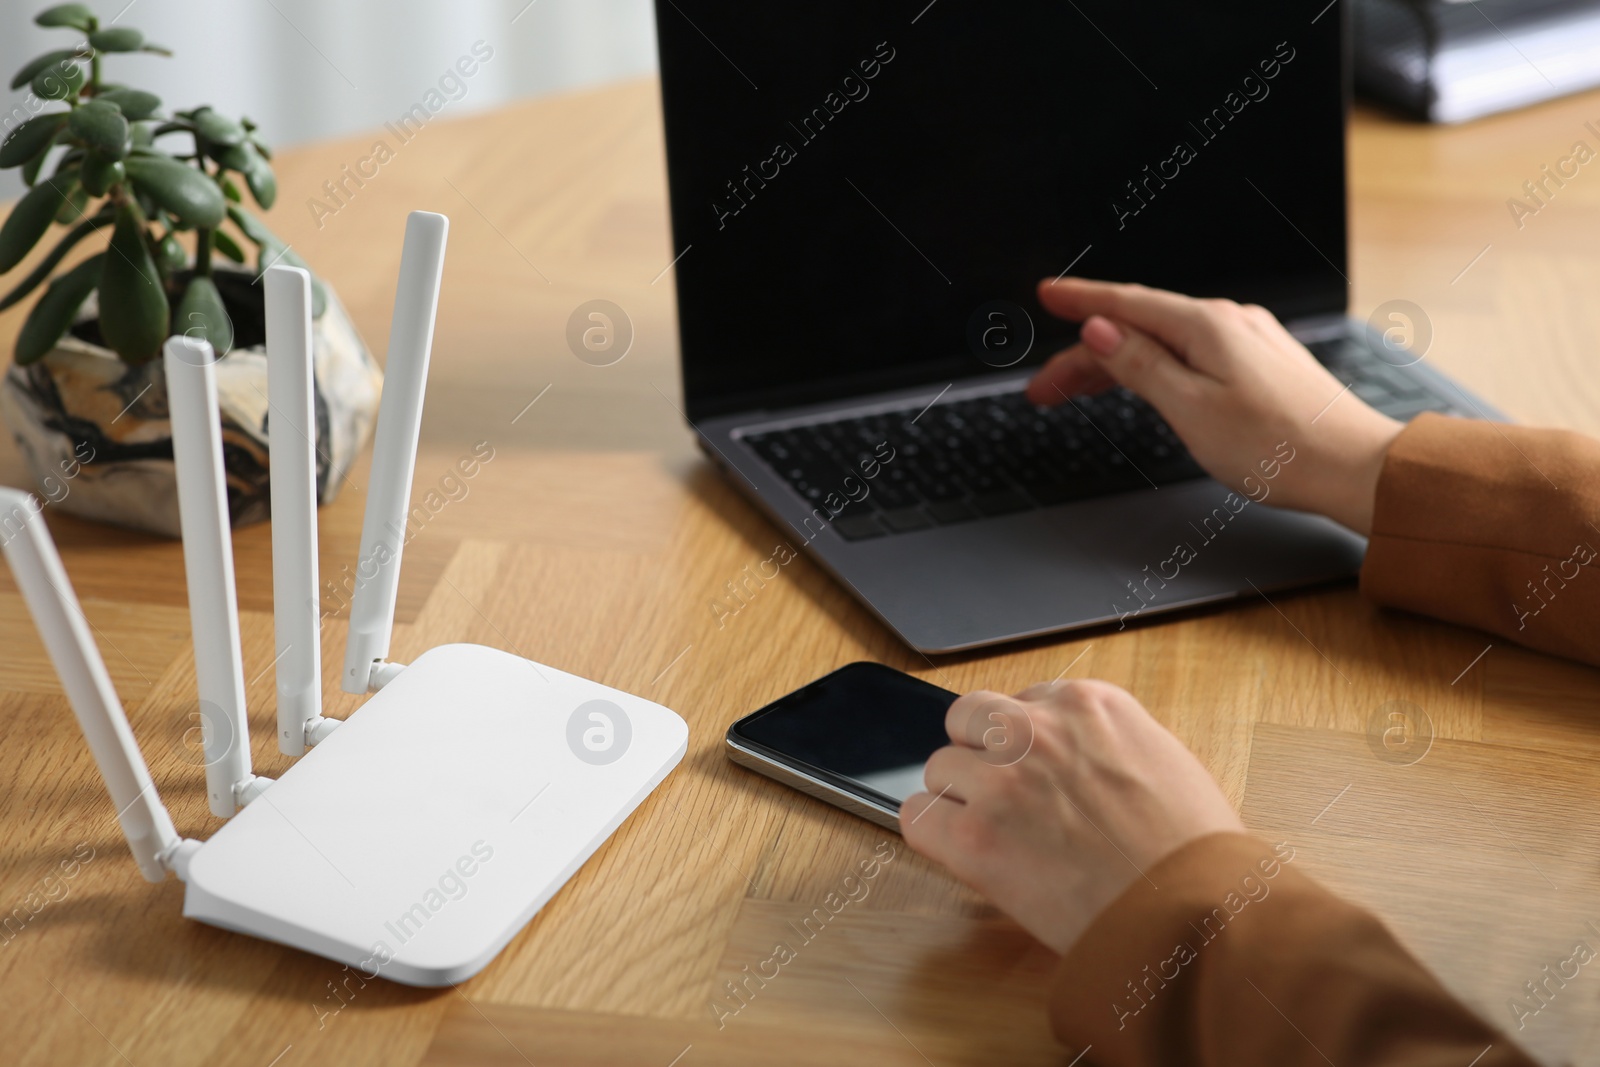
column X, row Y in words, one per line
column 257, row 172
column 39, row 63
column 72, row 208
column 227, row 246
column 263, row 185
column 134, row 312
column 60, row 81
column 251, row 226
column 202, row 316
column 30, row 139
column 183, row 191
column 72, row 16
column 135, row 104
column 31, row 169
column 53, row 314
column 48, row 264
column 116, row 39
column 37, row 275
column 216, row 127
column 102, row 127
column 170, row 254
column 30, row 219
column 99, row 174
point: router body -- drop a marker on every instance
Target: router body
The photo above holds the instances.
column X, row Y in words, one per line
column 413, row 839
column 430, row 827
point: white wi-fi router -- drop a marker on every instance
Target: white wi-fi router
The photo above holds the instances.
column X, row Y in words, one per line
column 421, row 833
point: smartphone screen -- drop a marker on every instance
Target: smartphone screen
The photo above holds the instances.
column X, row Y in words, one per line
column 865, row 727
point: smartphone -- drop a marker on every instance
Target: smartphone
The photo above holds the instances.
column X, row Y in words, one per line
column 857, row 739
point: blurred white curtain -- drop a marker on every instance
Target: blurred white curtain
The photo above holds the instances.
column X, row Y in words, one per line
column 309, row 69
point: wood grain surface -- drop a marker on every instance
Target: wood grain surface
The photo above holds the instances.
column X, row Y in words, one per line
column 596, row 540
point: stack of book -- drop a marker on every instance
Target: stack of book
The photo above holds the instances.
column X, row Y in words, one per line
column 1454, row 60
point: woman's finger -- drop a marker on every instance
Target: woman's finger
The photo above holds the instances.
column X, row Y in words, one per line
column 958, row 718
column 1173, row 319
column 951, row 773
column 1142, row 363
column 1071, row 372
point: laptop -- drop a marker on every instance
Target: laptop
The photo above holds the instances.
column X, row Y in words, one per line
column 863, row 199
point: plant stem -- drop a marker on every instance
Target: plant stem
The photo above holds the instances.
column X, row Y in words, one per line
column 202, row 252
column 94, row 57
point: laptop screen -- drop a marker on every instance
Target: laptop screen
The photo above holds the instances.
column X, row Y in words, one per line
column 862, row 193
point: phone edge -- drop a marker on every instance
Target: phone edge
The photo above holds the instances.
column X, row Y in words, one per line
column 812, row 787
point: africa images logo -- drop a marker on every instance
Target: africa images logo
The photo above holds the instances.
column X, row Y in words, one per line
column 599, row 732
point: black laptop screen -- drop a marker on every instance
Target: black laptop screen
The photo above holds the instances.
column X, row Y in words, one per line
column 857, row 186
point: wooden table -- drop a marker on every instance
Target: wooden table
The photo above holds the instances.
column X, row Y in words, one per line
column 597, row 540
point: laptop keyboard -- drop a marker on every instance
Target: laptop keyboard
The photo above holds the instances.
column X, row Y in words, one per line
column 995, row 454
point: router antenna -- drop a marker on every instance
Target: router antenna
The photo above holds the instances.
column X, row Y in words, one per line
column 291, row 431
column 208, row 569
column 394, row 455
column 61, row 623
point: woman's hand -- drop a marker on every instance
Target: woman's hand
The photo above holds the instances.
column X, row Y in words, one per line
column 1234, row 385
column 1052, row 802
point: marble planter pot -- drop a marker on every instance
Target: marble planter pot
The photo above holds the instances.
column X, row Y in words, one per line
column 96, row 437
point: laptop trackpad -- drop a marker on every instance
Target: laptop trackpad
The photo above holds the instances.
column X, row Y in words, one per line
column 1107, row 560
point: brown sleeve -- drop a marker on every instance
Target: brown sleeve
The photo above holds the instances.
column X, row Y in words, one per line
column 1494, row 527
column 1226, row 955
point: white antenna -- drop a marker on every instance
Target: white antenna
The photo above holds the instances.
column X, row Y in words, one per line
column 383, row 530
column 208, row 569
column 291, row 431
column 61, row 623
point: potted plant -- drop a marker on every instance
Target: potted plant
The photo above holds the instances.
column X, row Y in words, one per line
column 163, row 195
